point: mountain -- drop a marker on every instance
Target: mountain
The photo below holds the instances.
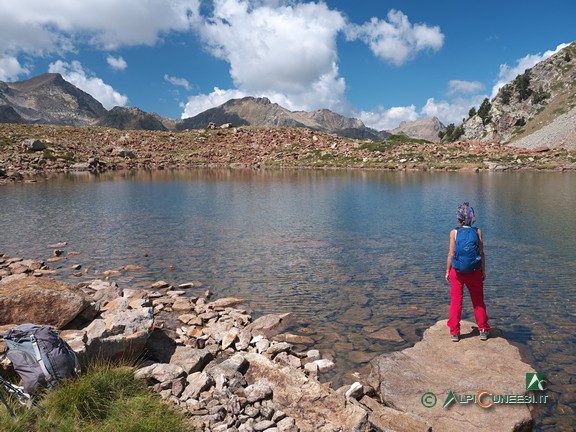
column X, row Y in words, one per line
column 48, row 99
column 543, row 98
column 250, row 111
column 426, row 129
column 131, row 118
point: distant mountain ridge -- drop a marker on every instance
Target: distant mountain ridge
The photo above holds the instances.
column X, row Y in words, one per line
column 251, row 111
column 48, row 99
column 534, row 110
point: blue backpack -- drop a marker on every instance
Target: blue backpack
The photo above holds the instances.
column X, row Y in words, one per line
column 466, row 258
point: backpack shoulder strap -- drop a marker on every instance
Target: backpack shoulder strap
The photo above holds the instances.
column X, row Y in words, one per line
column 40, row 361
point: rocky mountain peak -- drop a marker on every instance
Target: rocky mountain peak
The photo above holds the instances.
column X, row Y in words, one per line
column 426, row 128
column 49, row 98
column 533, row 100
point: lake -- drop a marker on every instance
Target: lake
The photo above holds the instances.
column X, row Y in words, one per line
column 346, row 251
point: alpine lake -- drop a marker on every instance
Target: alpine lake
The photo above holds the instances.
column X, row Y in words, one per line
column 348, row 252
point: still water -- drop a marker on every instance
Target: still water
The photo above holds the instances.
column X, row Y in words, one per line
column 347, row 251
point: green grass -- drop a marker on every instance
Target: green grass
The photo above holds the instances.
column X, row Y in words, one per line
column 105, row 399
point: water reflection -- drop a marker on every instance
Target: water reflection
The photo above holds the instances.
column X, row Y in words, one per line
column 347, row 251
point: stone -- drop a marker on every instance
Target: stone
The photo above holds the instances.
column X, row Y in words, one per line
column 230, row 337
column 264, row 425
column 293, row 338
column 387, row 333
column 160, row 285
column 229, row 367
column 160, row 372
column 356, row 391
column 287, row 424
column 324, row 364
column 40, row 301
column 439, row 366
column 182, row 305
column 197, row 383
column 191, row 359
column 271, row 325
column 277, row 348
column 31, row 144
column 130, row 321
column 258, row 391
column 224, row 303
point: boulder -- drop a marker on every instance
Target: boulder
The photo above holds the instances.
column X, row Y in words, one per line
column 31, row 144
column 421, row 379
column 40, row 301
column 271, row 325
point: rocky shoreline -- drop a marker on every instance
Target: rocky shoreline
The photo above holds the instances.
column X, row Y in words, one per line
column 229, row 372
column 28, row 152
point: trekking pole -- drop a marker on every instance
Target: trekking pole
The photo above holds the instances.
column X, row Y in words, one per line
column 23, row 398
column 3, row 399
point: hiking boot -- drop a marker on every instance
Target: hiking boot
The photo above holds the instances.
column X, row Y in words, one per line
column 455, row 337
column 483, row 335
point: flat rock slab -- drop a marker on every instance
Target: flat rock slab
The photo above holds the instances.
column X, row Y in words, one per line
column 440, row 366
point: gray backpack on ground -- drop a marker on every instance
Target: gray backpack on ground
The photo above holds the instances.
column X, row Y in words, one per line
column 40, row 356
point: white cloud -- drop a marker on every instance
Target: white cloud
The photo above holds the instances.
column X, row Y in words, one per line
column 451, row 112
column 74, row 73
column 116, row 62
column 464, row 87
column 107, row 24
column 201, row 103
column 10, row 69
column 38, row 28
column 507, row 73
column 181, row 82
column 396, row 40
column 386, row 119
column 284, row 52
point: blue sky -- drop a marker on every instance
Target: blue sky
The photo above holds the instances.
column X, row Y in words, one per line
column 381, row 61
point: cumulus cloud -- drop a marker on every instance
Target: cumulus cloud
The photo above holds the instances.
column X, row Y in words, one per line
column 10, row 69
column 201, row 103
column 386, row 119
column 453, row 111
column 106, row 24
column 508, row 73
column 396, row 39
column 279, row 50
column 464, row 87
column 75, row 74
column 117, row 63
column 180, row 82
column 39, row 28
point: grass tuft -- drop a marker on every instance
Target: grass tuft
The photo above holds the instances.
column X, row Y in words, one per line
column 105, row 399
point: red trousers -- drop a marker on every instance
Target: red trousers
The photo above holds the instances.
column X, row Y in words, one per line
column 475, row 285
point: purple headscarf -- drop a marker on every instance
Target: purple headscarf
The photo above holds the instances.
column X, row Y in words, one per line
column 465, row 213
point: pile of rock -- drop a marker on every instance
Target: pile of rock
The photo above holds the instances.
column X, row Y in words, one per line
column 228, row 372
column 209, row 359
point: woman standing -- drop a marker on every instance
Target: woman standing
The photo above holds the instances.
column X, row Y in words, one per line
column 466, row 266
